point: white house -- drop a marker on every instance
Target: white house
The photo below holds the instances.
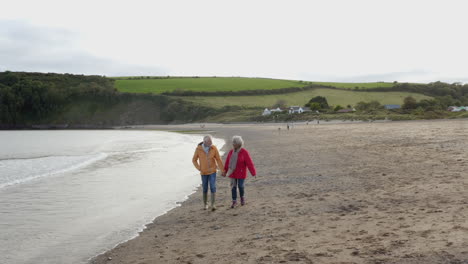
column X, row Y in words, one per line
column 298, row 109
column 277, row 110
column 270, row 111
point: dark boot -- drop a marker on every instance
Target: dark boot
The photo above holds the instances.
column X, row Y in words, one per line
column 234, row 204
column 213, row 198
column 205, row 201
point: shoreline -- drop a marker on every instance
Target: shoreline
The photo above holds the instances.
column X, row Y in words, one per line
column 143, row 228
column 85, row 190
column 194, row 125
column 176, row 205
column 348, row 193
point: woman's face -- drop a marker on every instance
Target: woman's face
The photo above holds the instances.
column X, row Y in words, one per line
column 236, row 146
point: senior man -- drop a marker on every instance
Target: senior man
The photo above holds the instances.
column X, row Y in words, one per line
column 206, row 159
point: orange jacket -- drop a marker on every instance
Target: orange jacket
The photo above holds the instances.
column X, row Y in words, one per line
column 206, row 164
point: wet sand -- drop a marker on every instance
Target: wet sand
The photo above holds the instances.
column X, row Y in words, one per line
column 393, row 192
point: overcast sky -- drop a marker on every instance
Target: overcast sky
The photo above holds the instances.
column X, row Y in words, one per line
column 329, row 40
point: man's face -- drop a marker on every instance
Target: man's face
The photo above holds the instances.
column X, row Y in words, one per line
column 208, row 142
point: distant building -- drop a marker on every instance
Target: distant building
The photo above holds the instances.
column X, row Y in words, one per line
column 298, row 109
column 266, row 112
column 392, row 106
column 276, row 110
column 271, row 111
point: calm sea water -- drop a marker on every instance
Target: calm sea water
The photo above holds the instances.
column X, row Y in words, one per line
column 66, row 196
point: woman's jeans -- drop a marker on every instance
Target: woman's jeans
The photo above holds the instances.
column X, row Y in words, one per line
column 211, row 179
column 235, row 183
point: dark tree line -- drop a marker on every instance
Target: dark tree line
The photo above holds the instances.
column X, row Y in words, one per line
column 28, row 96
column 31, row 98
column 438, row 103
column 182, row 92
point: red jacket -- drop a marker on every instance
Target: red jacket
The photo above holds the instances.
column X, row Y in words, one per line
column 243, row 162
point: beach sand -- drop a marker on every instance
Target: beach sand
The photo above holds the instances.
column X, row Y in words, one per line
column 394, row 192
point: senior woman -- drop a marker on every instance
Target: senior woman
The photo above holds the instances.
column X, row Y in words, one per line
column 235, row 167
column 206, row 159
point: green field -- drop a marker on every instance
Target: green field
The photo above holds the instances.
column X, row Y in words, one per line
column 334, row 97
column 203, row 84
column 214, row 84
column 353, row 85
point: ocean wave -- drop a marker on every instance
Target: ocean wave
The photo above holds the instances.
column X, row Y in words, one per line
column 138, row 150
column 45, row 166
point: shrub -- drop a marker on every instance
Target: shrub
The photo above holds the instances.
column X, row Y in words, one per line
column 370, row 106
column 409, row 103
column 337, row 108
column 322, row 101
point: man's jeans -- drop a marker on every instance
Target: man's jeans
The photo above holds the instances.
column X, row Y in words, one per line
column 237, row 183
column 211, row 179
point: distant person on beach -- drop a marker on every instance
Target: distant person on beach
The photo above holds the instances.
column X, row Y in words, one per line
column 206, row 159
column 237, row 162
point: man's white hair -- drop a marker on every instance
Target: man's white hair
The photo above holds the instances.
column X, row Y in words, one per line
column 207, row 137
column 238, row 140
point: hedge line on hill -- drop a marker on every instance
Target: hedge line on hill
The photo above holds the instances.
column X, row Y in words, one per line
column 456, row 91
column 182, row 92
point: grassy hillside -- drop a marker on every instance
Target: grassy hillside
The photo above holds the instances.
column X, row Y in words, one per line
column 204, row 84
column 28, row 99
column 334, row 97
column 369, row 85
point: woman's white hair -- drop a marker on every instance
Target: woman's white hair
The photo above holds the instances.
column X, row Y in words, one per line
column 207, row 137
column 238, row 140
